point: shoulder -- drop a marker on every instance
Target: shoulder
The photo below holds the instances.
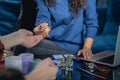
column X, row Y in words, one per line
column 39, row 1
column 90, row 2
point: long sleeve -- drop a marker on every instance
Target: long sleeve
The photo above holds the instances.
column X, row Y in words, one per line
column 91, row 19
column 43, row 13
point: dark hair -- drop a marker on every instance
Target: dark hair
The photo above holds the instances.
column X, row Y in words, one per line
column 75, row 5
column 10, row 74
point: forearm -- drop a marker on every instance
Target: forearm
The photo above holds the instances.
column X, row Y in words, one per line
column 27, row 77
column 88, row 43
column 10, row 40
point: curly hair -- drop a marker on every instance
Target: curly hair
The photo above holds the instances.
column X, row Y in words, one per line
column 75, row 5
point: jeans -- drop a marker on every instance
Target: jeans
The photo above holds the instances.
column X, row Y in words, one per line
column 47, row 48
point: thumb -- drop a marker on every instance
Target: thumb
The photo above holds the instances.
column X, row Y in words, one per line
column 79, row 52
column 29, row 33
column 47, row 61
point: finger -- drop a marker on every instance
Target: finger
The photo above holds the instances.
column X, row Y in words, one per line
column 36, row 39
column 90, row 54
column 29, row 33
column 79, row 53
column 45, row 34
column 48, row 29
column 36, row 29
column 84, row 53
column 25, row 32
column 43, row 29
column 47, row 61
column 39, row 32
column 52, row 65
column 38, row 36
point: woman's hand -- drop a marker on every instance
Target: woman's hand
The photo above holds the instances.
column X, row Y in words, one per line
column 86, row 53
column 43, row 71
column 43, row 30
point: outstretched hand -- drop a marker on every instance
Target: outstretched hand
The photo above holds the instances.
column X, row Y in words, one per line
column 28, row 39
column 21, row 37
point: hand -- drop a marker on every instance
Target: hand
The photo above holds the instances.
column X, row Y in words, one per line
column 86, row 53
column 21, row 37
column 28, row 39
column 44, row 29
column 43, row 71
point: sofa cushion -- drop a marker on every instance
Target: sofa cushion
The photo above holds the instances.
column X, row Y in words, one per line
column 107, row 40
column 104, row 42
column 113, row 17
column 101, row 19
column 111, row 28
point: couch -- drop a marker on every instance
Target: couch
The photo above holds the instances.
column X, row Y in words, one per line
column 9, row 12
column 109, row 20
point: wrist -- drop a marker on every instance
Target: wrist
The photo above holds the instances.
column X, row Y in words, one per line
column 5, row 41
column 19, row 38
column 10, row 40
column 87, row 48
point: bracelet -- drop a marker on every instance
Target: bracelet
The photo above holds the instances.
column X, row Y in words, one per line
column 40, row 25
column 86, row 48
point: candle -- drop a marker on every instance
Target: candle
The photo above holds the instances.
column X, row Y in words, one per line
column 26, row 58
column 14, row 62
